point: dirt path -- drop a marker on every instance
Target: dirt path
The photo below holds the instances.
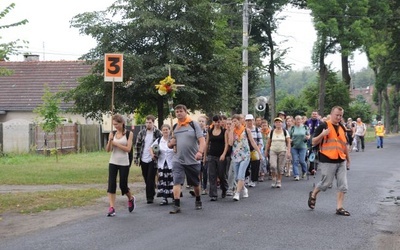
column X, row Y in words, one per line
column 13, row 224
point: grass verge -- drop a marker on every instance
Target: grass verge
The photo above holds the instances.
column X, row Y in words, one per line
column 71, row 169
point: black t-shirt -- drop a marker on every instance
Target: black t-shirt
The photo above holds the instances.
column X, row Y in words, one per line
column 322, row 157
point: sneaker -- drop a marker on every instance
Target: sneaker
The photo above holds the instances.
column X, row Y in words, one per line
column 273, row 184
column 204, row 192
column 175, row 210
column 245, row 192
column 131, row 204
column 111, row 212
column 261, row 178
column 198, row 205
column 191, row 192
column 278, row 184
column 252, row 184
column 213, row 199
column 229, row 193
column 236, row 197
column 304, row 175
column 296, row 178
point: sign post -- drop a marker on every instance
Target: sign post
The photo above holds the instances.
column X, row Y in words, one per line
column 113, row 72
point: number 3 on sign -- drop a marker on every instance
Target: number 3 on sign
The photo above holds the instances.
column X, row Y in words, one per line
column 113, row 67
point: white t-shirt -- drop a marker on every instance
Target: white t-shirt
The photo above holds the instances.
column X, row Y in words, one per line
column 360, row 128
column 148, row 140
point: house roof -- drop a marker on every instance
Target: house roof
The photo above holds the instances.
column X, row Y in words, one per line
column 23, row 90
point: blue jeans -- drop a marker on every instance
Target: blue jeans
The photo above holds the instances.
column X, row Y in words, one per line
column 299, row 156
column 240, row 169
column 379, row 141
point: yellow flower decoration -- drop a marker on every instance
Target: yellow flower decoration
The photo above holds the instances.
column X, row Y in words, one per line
column 167, row 86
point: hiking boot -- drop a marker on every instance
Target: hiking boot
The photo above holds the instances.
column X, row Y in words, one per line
column 131, row 204
column 198, row 205
column 236, row 197
column 111, row 212
column 175, row 210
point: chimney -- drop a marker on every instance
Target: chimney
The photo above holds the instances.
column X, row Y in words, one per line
column 31, row 58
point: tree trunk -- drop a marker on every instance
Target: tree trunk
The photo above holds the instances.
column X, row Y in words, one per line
column 271, row 72
column 379, row 93
column 396, row 103
column 345, row 70
column 387, row 111
column 323, row 74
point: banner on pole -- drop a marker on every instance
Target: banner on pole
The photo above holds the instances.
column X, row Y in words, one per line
column 113, row 67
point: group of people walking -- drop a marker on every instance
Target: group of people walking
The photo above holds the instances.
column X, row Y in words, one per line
column 231, row 155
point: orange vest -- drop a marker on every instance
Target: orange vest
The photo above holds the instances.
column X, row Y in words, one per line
column 334, row 146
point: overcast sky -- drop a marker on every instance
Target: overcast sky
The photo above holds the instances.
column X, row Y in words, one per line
column 50, row 36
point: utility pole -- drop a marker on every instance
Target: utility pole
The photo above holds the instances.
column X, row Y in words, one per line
column 245, row 59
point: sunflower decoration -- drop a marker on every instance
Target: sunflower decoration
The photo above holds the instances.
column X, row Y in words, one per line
column 167, row 86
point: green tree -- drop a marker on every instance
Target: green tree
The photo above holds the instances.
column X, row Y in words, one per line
column 337, row 93
column 49, row 111
column 9, row 48
column 292, row 105
column 264, row 26
column 359, row 108
column 345, row 23
column 192, row 37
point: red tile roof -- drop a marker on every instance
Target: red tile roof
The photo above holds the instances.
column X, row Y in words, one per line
column 23, row 90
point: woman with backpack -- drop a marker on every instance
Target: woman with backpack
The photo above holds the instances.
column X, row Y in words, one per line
column 162, row 154
column 299, row 135
column 278, row 148
column 120, row 145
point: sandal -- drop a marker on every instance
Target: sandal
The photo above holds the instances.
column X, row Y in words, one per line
column 343, row 212
column 311, row 201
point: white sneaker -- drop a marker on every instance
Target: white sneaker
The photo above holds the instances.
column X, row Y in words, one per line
column 296, row 178
column 304, row 175
column 236, row 197
column 245, row 192
column 273, row 183
column 278, row 185
column 252, row 184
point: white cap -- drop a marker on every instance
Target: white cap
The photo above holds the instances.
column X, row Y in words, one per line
column 249, row 117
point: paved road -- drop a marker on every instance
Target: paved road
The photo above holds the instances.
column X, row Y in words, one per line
column 268, row 219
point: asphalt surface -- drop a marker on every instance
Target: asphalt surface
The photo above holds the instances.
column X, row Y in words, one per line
column 268, row 219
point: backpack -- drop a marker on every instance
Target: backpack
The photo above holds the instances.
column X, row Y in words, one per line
column 257, row 139
column 130, row 153
column 272, row 132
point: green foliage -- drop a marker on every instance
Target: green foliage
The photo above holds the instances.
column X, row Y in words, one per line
column 336, row 94
column 9, row 48
column 49, row 111
column 359, row 108
column 192, row 37
column 292, row 106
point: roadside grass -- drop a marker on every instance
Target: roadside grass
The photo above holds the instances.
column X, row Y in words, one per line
column 34, row 202
column 31, row 169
